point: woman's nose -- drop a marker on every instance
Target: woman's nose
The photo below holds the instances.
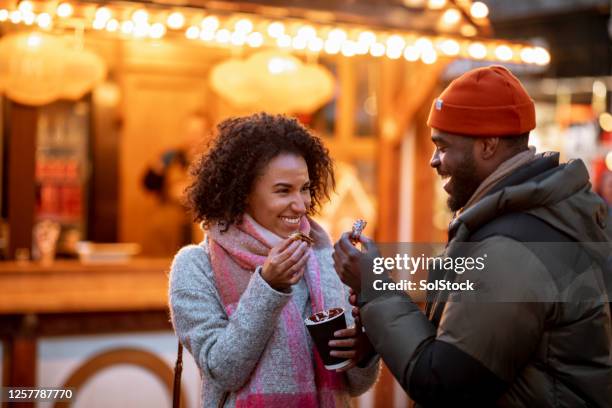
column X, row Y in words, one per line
column 298, row 205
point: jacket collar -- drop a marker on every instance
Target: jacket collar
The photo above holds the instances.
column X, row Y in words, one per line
column 491, row 206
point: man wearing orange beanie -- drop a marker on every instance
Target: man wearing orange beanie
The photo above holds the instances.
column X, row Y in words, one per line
column 536, row 330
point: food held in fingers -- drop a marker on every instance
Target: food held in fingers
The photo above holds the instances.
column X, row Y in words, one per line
column 300, row 236
column 358, row 227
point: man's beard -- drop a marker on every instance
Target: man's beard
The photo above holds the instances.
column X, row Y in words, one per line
column 464, row 183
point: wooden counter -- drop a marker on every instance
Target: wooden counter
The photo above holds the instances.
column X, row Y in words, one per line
column 71, row 286
column 72, row 298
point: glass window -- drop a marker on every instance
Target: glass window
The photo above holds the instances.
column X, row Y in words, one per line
column 366, row 110
column 323, row 121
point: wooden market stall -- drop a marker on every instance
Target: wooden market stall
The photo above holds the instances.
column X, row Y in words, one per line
column 128, row 83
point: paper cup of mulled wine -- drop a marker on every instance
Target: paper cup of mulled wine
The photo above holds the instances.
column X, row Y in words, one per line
column 322, row 326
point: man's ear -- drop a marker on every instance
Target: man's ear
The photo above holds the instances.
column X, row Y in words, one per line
column 487, row 147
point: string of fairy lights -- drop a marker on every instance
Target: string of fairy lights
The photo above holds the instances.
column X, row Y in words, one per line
column 134, row 20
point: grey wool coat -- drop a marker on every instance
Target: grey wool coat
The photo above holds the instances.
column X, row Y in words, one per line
column 227, row 350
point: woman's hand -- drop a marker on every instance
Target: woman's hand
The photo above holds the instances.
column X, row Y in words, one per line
column 285, row 263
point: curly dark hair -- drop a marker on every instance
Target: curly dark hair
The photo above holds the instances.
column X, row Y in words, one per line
column 224, row 176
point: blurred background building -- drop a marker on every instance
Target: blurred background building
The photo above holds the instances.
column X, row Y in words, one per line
column 104, row 104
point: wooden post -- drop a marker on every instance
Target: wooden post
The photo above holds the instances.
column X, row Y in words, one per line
column 19, row 359
column 406, row 90
column 21, row 176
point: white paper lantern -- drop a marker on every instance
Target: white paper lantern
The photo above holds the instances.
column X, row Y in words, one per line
column 273, row 81
column 38, row 68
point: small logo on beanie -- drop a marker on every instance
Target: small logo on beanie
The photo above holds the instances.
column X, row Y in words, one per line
column 439, row 103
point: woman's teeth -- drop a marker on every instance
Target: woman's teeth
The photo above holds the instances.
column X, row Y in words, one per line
column 294, row 220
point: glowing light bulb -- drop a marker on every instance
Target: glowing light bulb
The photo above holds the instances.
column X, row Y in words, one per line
column 64, row 10
column 479, row 10
column 140, row 16
column 423, row 44
column 210, row 23
column 15, row 17
column 377, row 50
column 276, row 29
column 396, row 42
column 175, row 20
column 112, row 25
column 429, row 56
column 332, row 47
column 26, row 6
column 157, row 30
column 451, row 17
column 468, row 30
column 541, row 56
column 243, row 26
column 255, row 40
column 337, row 35
column 436, row 4
column 503, row 53
column 349, row 48
column 43, row 20
column 528, row 55
column 450, row 47
column 412, row 53
column 366, row 38
column 307, row 32
column 315, row 44
column 98, row 24
column 127, row 27
column 223, row 36
column 103, row 14
column 605, row 121
column 28, row 17
column 192, row 33
column 477, row 50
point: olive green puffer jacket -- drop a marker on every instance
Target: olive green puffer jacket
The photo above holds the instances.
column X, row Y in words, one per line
column 536, row 332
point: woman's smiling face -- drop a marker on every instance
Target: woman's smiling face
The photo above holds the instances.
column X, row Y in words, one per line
column 280, row 196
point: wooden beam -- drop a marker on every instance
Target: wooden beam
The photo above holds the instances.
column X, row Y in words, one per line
column 422, row 79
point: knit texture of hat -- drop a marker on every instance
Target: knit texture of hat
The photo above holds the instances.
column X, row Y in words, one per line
column 486, row 101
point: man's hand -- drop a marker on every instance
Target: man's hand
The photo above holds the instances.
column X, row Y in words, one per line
column 353, row 344
column 350, row 263
column 360, row 348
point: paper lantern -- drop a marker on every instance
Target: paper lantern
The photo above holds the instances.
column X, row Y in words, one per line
column 31, row 67
column 274, row 82
column 37, row 69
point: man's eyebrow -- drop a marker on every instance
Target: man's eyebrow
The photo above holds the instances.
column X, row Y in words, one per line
column 438, row 139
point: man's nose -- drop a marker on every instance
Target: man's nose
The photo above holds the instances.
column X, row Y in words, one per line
column 435, row 160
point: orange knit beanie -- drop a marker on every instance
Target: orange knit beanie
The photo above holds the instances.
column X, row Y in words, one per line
column 486, row 101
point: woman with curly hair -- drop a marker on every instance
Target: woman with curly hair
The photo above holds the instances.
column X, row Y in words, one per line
column 238, row 300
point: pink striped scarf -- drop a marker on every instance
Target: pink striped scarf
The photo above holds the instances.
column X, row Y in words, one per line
column 234, row 255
